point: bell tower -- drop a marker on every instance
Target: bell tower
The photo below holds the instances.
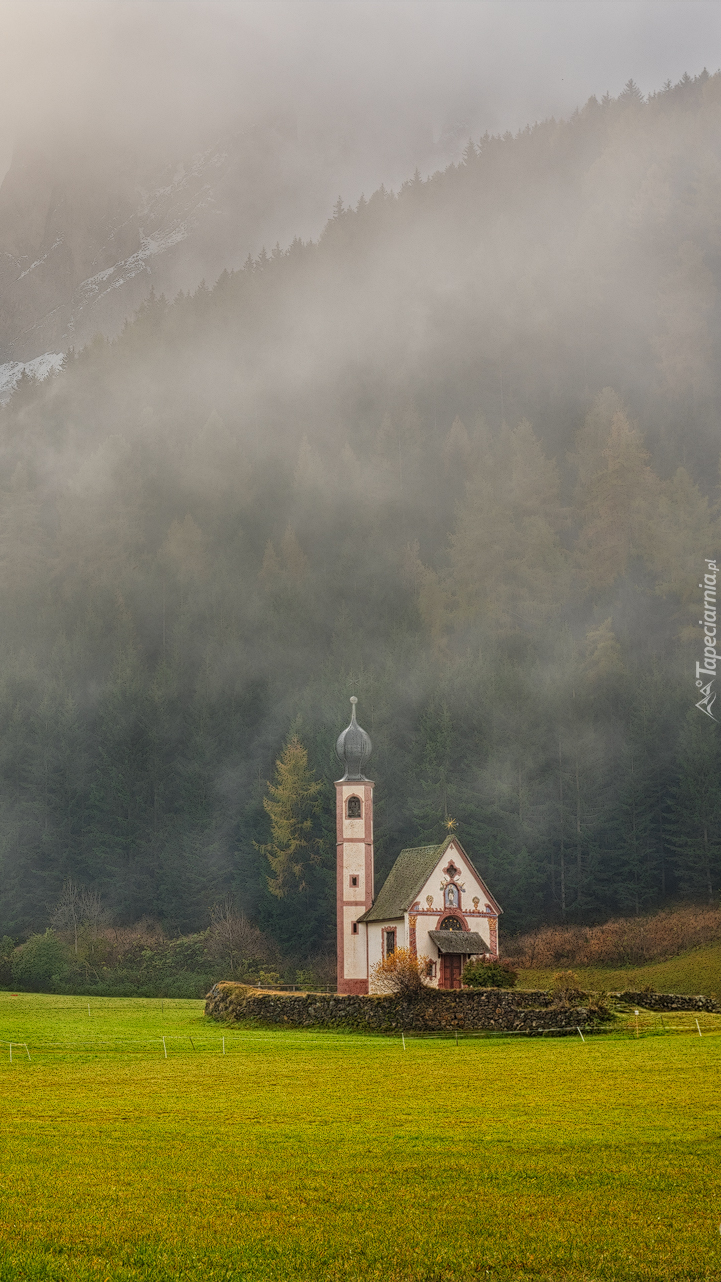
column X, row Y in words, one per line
column 354, row 822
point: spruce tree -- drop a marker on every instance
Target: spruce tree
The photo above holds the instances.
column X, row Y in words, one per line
column 696, row 813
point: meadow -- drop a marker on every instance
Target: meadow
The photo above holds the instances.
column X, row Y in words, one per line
column 311, row 1155
column 695, row 970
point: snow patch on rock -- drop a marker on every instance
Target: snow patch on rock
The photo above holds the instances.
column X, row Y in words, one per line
column 38, row 368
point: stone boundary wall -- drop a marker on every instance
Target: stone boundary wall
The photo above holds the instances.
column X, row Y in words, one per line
column 461, row 1009
column 667, row 1001
column 504, row 1010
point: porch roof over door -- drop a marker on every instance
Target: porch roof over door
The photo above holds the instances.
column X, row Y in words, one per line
column 467, row 942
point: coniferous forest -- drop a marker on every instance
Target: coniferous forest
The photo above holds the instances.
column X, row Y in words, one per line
column 459, row 457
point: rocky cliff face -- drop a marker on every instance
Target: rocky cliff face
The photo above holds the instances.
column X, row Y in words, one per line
column 84, row 235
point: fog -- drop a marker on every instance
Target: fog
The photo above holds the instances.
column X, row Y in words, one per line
column 381, row 86
column 453, row 446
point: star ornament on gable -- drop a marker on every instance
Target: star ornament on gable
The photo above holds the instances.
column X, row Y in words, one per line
column 451, row 824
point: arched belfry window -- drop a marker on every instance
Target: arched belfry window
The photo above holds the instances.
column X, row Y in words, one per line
column 452, row 897
column 353, row 808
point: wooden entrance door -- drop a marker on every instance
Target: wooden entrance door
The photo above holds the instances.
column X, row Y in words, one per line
column 451, row 970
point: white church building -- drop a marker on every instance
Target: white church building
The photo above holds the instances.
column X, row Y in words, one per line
column 433, row 901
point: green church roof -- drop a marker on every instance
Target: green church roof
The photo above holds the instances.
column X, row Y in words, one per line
column 405, row 880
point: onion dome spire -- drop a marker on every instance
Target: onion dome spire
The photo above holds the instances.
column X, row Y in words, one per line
column 354, row 747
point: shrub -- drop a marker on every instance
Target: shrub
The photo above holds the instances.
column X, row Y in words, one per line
column 622, row 941
column 268, row 978
column 401, row 973
column 233, row 940
column 489, row 973
column 7, row 947
column 599, row 1008
column 566, row 990
column 317, row 971
column 563, row 980
column 41, row 964
column 185, row 984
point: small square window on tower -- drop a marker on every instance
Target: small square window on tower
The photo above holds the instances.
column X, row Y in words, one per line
column 354, row 881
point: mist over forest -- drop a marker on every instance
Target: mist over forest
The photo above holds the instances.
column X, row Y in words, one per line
column 458, row 456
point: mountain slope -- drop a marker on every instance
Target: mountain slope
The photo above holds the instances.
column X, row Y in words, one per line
column 459, row 456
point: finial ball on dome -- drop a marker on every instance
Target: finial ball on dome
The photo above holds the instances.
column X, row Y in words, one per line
column 353, row 699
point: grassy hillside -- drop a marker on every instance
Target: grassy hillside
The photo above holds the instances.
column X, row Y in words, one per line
column 299, row 1155
column 698, row 970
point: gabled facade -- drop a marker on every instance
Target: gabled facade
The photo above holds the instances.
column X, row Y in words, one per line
column 433, row 902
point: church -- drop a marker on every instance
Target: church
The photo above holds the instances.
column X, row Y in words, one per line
column 433, row 902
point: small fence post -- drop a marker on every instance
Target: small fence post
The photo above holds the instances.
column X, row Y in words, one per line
column 165, row 1048
column 699, row 1028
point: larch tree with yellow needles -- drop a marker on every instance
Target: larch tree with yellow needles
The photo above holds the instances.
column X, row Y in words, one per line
column 293, row 802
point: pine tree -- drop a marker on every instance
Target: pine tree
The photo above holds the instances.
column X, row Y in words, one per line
column 696, row 810
column 434, row 772
column 635, row 882
column 509, row 568
column 630, row 93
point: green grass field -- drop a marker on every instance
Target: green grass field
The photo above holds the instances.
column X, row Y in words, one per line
column 696, row 971
column 304, row 1155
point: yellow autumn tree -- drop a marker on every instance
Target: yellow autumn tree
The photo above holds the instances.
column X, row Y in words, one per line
column 683, row 528
column 400, row 973
column 616, row 498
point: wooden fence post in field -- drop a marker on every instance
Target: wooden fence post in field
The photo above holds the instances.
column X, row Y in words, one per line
column 165, row 1048
column 636, row 1014
column 699, row 1028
